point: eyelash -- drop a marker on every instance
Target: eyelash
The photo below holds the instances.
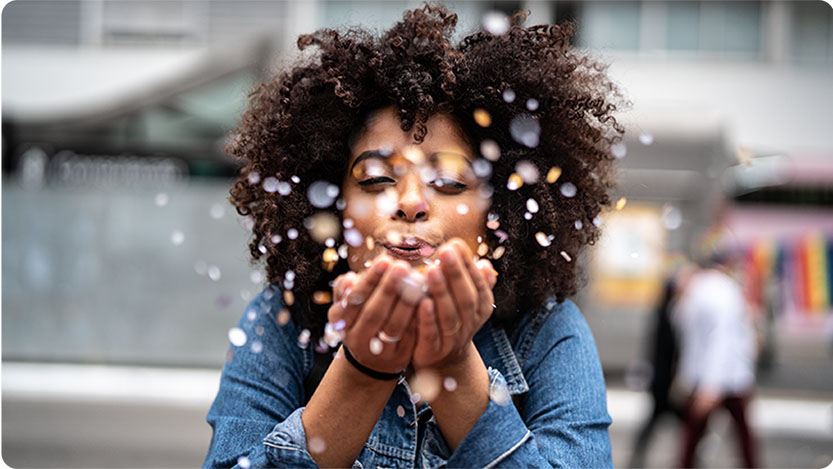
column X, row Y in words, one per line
column 445, row 182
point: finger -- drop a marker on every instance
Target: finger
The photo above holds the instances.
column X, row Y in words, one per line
column 485, row 297
column 428, row 334
column 487, row 271
column 378, row 307
column 459, row 281
column 443, row 304
column 366, row 283
column 342, row 283
column 409, row 338
column 404, row 309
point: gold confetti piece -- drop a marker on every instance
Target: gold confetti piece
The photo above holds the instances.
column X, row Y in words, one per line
column 482, row 250
column 322, row 297
column 542, row 239
column 283, row 317
column 514, row 182
column 288, row 298
column 620, row 204
column 329, row 259
column 498, row 253
column 370, row 243
column 553, row 174
column 492, row 224
column 482, row 117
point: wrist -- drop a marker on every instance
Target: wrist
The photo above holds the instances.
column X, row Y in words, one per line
column 358, row 377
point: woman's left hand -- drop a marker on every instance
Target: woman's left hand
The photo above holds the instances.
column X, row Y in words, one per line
column 460, row 301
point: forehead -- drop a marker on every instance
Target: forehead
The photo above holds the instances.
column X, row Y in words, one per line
column 383, row 130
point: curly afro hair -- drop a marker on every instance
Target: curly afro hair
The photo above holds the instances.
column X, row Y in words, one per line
column 298, row 126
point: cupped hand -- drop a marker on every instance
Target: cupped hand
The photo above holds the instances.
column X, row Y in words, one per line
column 377, row 321
column 459, row 303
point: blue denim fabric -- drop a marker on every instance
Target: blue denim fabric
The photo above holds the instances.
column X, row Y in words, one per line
column 550, row 359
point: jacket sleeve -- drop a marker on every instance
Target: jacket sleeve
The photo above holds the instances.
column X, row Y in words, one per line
column 256, row 416
column 563, row 420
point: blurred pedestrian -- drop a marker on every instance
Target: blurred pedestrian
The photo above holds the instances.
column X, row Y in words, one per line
column 717, row 355
column 663, row 358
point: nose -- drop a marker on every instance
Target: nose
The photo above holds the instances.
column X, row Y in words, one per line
column 413, row 205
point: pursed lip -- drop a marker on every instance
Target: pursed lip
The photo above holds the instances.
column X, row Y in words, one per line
column 412, row 248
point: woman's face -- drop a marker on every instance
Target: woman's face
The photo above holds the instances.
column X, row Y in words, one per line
column 406, row 199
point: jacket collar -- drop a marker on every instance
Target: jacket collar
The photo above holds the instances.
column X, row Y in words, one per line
column 496, row 351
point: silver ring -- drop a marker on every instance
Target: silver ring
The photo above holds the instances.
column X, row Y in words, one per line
column 387, row 339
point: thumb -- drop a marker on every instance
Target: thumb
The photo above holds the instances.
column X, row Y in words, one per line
column 488, row 271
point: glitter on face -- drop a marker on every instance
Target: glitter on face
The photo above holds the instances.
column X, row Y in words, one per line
column 387, row 202
column 553, row 174
column 482, row 117
column 646, row 138
column 217, row 211
column 514, row 182
column 495, row 23
column 322, row 194
column 462, row 209
column 490, row 150
column 508, row 95
column 376, row 346
column 542, row 239
column 620, row 204
column 270, row 184
column 161, row 199
column 619, row 150
column 532, row 104
column 568, row 189
column 672, row 218
column 566, row 256
column 450, row 384
column 525, row 130
column 532, row 205
column 237, row 336
column 292, row 233
column 482, row 168
column 254, row 177
column 177, row 238
column 214, row 272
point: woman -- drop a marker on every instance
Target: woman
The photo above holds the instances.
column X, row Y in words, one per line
column 388, row 180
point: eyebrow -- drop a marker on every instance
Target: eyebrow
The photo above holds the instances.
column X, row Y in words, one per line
column 384, row 155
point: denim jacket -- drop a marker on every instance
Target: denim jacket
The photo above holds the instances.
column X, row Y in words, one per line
column 549, row 362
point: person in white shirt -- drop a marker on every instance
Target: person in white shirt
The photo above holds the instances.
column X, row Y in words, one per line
column 717, row 355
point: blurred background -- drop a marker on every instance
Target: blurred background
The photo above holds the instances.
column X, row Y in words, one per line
column 123, row 265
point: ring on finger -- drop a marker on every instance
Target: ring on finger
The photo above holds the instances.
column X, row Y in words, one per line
column 456, row 329
column 387, row 338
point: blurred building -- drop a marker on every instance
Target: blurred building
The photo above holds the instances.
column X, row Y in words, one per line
column 117, row 239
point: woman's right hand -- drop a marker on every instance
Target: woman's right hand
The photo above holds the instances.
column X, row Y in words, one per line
column 379, row 325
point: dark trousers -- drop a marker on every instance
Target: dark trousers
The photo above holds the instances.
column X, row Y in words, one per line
column 696, row 426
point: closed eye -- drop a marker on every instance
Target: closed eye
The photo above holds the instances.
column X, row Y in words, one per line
column 376, row 180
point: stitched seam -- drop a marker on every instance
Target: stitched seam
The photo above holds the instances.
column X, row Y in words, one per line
column 510, row 450
column 287, row 447
column 515, row 378
column 532, row 333
column 374, row 445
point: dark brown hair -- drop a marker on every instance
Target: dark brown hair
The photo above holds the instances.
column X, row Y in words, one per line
column 299, row 124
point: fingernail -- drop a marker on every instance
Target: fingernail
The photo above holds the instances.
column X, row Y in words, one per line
column 380, row 266
column 447, row 255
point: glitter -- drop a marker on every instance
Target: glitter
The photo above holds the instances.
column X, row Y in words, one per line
column 322, row 297
column 237, row 336
column 400, row 411
column 341, row 204
column 288, row 284
column 245, row 294
column 450, row 384
column 566, row 256
column 490, row 150
column 270, row 184
column 387, row 202
column 292, row 233
column 367, row 264
column 321, row 194
column 553, row 174
column 514, row 182
column 482, row 117
column 289, row 275
column 498, row 252
column 425, row 383
column 646, row 138
column 276, row 239
column 499, row 393
column 376, row 346
column 295, row 179
column 462, row 209
column 340, row 325
column 413, row 154
column 672, row 218
column 217, row 211
column 482, row 168
column 620, row 204
column 251, row 315
column 247, row 222
column 200, row 267
column 492, row 224
column 394, row 238
column 618, row 150
column 283, row 317
column 256, row 276
column 323, row 225
column 532, row 205
column 177, row 237
column 254, row 177
column 578, row 224
column 526, row 130
column 257, row 346
column 528, row 171
column 508, row 95
column 259, row 330
column 414, row 398
column 532, row 104
column 342, row 251
column 329, row 259
column 303, row 338
column 329, row 242
column 527, row 216
column 482, row 249
column 243, row 461
column 495, row 23
column 262, row 249
column 413, row 288
column 542, row 239
column 597, row 221
column 568, row 189
column 161, row 199
column 347, row 223
column 316, row 445
column 353, row 237
column 502, row 236
column 214, row 272
column 288, row 298
column 284, row 188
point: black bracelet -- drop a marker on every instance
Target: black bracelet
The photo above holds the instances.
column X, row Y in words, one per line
column 372, row 373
